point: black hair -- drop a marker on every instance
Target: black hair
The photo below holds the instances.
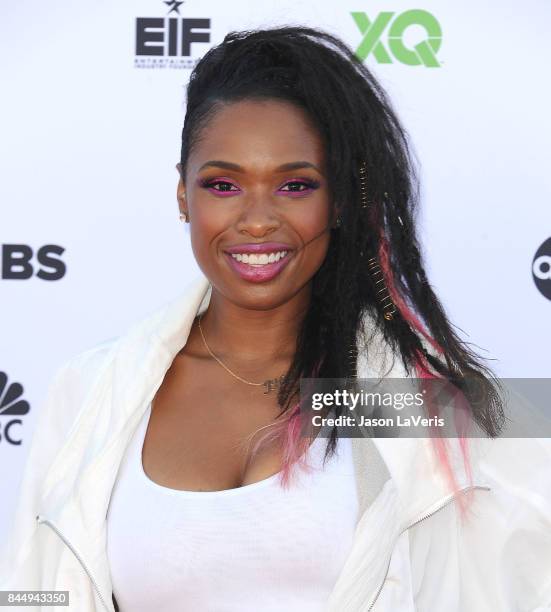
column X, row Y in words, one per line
column 321, row 74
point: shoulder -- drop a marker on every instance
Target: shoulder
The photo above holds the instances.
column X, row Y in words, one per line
column 519, row 469
column 79, row 372
column 518, row 461
column 54, row 422
column 511, row 525
column 64, row 399
column 502, row 542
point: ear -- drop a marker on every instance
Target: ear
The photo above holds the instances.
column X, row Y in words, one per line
column 181, row 191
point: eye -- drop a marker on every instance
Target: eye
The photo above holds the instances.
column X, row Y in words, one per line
column 218, row 185
column 299, row 186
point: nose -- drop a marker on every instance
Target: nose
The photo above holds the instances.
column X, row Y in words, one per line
column 259, row 217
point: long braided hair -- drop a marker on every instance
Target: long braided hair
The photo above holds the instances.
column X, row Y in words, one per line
column 373, row 182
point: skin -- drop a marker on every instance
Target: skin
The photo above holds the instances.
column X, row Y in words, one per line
column 195, row 440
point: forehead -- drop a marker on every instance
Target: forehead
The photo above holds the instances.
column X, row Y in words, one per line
column 256, row 132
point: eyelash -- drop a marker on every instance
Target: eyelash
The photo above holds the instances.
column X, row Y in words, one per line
column 310, row 185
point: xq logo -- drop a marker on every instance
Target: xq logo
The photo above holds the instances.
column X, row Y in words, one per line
column 422, row 53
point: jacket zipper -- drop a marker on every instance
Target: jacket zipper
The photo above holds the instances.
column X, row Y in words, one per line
column 374, row 600
column 78, row 557
column 416, row 522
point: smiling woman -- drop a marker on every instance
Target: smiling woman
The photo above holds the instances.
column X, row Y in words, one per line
column 267, row 196
column 263, row 257
column 180, row 475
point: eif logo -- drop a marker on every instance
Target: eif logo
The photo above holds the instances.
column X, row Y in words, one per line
column 11, row 404
column 393, row 28
column 168, row 42
column 541, row 269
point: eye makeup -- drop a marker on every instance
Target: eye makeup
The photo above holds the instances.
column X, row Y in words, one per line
column 210, row 184
column 295, row 187
column 305, row 186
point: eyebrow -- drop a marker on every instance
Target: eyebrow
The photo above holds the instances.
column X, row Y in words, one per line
column 237, row 168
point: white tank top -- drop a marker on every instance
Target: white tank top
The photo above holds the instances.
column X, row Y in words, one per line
column 253, row 548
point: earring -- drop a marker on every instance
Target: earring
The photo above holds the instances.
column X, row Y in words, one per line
column 382, row 293
column 338, row 222
column 184, row 215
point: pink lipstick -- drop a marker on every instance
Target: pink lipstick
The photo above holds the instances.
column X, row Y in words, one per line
column 258, row 262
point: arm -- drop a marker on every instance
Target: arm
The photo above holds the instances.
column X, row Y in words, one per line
column 53, row 426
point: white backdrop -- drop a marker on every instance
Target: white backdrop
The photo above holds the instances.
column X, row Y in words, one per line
column 89, row 142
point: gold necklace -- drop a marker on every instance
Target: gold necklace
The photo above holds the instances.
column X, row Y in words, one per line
column 248, row 382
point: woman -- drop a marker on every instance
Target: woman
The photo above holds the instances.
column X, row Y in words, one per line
column 168, row 471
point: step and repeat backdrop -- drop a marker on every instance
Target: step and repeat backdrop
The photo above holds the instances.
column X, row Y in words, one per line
column 92, row 104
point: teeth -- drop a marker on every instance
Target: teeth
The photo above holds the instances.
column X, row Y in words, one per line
column 260, row 259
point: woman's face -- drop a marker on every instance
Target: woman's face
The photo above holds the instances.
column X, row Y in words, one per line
column 257, row 197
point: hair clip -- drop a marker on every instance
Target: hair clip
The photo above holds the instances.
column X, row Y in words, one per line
column 363, row 185
column 389, row 309
column 382, row 293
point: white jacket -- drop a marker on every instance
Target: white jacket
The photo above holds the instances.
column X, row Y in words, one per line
column 411, row 550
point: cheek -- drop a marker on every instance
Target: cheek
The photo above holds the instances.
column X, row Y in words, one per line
column 311, row 221
column 208, row 221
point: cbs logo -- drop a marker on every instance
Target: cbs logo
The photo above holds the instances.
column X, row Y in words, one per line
column 20, row 263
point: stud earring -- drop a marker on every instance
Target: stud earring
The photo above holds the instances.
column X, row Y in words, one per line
column 184, row 216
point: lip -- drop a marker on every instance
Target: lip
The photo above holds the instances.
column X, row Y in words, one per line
column 258, row 273
column 258, row 247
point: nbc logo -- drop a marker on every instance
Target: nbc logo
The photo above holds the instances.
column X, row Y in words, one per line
column 11, row 404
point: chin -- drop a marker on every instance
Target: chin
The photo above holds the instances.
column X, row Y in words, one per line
column 262, row 296
column 259, row 296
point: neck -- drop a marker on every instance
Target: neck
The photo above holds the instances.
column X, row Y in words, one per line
column 253, row 337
